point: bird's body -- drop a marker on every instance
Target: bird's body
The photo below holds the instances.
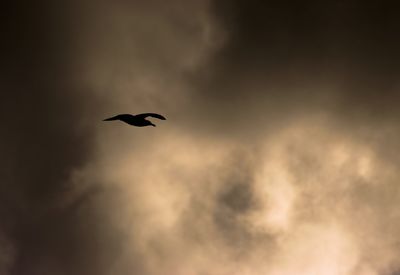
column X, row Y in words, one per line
column 138, row 120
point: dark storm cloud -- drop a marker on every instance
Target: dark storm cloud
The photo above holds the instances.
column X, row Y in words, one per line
column 310, row 37
column 288, row 58
column 44, row 139
column 234, row 199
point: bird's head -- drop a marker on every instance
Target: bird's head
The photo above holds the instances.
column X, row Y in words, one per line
column 152, row 124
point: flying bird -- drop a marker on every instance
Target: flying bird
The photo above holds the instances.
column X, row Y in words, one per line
column 138, row 120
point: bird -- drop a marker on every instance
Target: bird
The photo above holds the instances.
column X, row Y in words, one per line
column 138, row 120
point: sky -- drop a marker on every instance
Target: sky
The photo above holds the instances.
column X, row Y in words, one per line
column 279, row 155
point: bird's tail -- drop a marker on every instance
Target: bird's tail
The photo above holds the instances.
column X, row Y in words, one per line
column 111, row 118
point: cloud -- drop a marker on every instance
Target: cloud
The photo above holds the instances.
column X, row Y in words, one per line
column 278, row 155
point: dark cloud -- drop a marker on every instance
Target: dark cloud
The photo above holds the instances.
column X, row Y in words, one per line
column 235, row 199
column 44, row 139
column 286, row 58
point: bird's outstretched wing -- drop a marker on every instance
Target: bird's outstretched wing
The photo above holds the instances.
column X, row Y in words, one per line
column 119, row 117
column 144, row 115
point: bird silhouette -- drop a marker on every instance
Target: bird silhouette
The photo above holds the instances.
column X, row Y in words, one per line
column 138, row 120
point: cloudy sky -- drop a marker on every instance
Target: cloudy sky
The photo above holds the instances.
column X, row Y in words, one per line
column 279, row 155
